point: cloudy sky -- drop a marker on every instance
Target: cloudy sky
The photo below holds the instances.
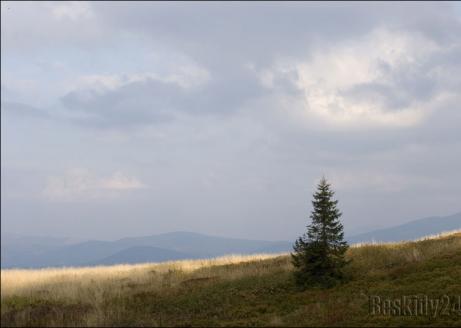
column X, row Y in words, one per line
column 124, row 119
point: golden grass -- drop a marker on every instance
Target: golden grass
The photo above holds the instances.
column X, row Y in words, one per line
column 74, row 282
column 376, row 256
column 91, row 282
column 95, row 286
column 440, row 235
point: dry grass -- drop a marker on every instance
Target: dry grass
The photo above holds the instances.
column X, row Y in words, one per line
column 77, row 283
column 440, row 235
column 386, row 255
column 210, row 292
column 94, row 282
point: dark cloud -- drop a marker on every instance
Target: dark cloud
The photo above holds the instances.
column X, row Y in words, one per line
column 135, row 103
column 153, row 101
column 20, row 109
column 261, row 32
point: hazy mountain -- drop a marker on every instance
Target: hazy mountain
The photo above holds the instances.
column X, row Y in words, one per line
column 168, row 246
column 412, row 230
column 204, row 245
column 142, row 254
column 25, row 252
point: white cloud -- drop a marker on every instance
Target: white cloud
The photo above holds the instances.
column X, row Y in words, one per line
column 186, row 77
column 163, row 65
column 99, row 82
column 73, row 10
column 358, row 83
column 119, row 181
column 80, row 184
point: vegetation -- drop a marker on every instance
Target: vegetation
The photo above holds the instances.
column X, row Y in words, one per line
column 319, row 256
column 236, row 291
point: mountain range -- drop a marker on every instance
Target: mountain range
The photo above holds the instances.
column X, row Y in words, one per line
column 411, row 230
column 37, row 252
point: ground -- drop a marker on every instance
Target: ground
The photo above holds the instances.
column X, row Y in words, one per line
column 424, row 276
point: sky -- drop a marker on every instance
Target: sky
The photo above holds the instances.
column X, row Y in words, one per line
column 136, row 118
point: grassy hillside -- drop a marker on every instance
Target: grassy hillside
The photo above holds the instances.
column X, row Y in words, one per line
column 239, row 290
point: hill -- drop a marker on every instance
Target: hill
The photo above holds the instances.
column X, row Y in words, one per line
column 252, row 290
column 33, row 252
column 411, row 230
column 41, row 252
column 142, row 254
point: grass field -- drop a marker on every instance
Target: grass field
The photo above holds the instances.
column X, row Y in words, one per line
column 255, row 290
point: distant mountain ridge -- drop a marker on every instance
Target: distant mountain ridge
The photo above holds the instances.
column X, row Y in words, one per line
column 142, row 254
column 39, row 252
column 162, row 247
column 411, row 230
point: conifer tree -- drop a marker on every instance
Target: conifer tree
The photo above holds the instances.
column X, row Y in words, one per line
column 319, row 255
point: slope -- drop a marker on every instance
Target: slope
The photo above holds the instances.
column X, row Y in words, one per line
column 252, row 291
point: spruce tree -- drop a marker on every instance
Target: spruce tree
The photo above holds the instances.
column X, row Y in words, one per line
column 319, row 255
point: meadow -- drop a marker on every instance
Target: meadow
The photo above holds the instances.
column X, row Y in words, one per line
column 255, row 290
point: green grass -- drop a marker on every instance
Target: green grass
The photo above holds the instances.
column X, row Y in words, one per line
column 255, row 293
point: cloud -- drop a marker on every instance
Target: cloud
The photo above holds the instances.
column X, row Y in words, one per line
column 381, row 181
column 131, row 104
column 389, row 78
column 119, row 181
column 81, row 184
column 20, row 109
column 264, row 30
column 39, row 26
column 186, row 77
column 128, row 100
column 346, row 77
column 73, row 10
column 248, row 102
